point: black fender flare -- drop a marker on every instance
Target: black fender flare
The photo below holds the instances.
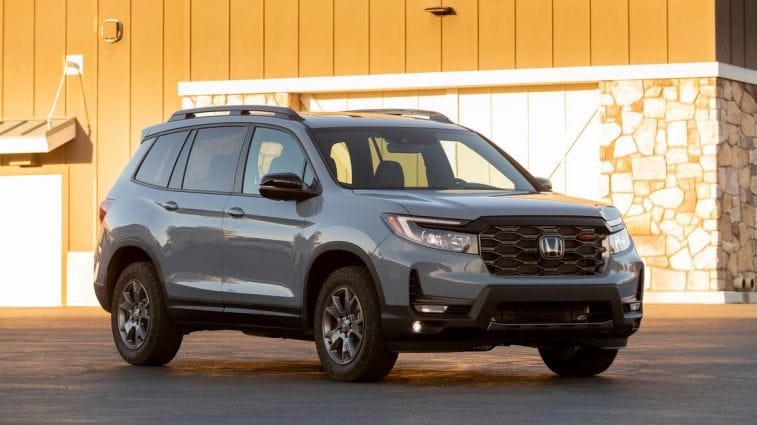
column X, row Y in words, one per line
column 137, row 243
column 339, row 246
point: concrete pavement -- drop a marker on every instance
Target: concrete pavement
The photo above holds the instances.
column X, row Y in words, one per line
column 688, row 364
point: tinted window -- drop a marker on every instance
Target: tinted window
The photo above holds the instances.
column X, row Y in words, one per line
column 417, row 158
column 157, row 166
column 213, row 160
column 272, row 151
column 340, row 162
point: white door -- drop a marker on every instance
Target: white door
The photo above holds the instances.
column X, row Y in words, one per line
column 552, row 131
column 30, row 240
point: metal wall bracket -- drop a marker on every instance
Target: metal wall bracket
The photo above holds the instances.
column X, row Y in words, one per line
column 440, row 11
column 111, row 30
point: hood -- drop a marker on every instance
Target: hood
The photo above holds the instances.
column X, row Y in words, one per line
column 467, row 205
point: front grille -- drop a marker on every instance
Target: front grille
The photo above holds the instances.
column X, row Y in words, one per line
column 513, row 250
column 552, row 312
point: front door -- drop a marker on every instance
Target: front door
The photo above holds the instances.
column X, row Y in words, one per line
column 263, row 237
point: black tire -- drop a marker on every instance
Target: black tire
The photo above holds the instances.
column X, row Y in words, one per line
column 373, row 359
column 577, row 361
column 163, row 338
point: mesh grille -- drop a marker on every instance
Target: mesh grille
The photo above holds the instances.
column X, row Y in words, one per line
column 513, row 250
column 548, row 312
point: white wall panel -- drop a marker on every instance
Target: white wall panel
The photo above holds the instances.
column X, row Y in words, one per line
column 546, row 130
column 475, row 110
column 403, row 99
column 510, row 123
column 30, row 240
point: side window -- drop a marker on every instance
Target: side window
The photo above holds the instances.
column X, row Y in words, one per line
column 158, row 164
column 271, row 151
column 341, row 163
column 212, row 162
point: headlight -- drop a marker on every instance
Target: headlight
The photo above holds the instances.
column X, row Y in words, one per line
column 422, row 231
column 619, row 241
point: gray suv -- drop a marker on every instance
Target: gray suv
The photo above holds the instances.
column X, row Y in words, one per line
column 370, row 232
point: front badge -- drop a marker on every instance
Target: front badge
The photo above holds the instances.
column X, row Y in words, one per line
column 552, row 246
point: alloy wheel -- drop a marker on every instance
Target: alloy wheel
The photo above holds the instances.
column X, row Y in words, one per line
column 134, row 315
column 343, row 328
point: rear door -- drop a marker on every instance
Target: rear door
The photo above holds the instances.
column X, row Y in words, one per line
column 187, row 223
column 263, row 237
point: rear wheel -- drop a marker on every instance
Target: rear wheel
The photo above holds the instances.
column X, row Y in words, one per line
column 579, row 360
column 348, row 334
column 143, row 332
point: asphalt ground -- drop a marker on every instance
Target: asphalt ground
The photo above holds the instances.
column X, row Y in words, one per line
column 687, row 365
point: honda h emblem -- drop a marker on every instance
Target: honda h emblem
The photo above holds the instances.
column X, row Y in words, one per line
column 552, row 246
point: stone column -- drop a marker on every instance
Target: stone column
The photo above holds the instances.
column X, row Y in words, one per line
column 659, row 167
column 737, row 177
column 677, row 160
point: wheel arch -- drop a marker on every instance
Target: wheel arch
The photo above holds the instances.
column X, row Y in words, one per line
column 325, row 261
column 126, row 252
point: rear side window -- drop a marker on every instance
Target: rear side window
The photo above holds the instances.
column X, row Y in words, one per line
column 158, row 164
column 213, row 160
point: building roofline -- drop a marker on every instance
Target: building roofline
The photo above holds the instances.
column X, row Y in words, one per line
column 468, row 79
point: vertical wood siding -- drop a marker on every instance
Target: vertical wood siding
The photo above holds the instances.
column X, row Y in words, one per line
column 132, row 83
column 737, row 32
column 81, row 102
column 648, row 31
column 572, row 34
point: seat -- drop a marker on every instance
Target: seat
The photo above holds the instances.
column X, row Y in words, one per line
column 389, row 175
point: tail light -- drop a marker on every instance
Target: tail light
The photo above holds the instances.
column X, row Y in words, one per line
column 104, row 207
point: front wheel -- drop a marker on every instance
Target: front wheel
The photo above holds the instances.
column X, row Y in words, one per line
column 348, row 334
column 578, row 360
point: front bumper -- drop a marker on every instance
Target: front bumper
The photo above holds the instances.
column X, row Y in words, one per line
column 462, row 280
column 476, row 329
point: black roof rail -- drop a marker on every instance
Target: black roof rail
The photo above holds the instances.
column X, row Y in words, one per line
column 276, row 111
column 431, row 115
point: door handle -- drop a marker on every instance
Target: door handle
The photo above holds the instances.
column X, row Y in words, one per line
column 169, row 205
column 235, row 212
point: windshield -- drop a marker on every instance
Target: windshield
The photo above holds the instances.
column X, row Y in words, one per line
column 416, row 158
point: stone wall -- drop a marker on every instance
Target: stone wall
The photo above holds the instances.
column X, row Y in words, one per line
column 737, row 177
column 676, row 160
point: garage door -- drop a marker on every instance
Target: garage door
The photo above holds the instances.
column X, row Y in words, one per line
column 30, row 240
column 552, row 131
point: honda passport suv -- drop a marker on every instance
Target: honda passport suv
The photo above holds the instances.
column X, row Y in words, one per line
column 370, row 232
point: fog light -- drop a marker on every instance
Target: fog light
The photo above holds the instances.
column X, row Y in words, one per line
column 635, row 306
column 430, row 308
column 417, row 326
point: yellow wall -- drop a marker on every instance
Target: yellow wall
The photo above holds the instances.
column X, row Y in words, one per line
column 133, row 83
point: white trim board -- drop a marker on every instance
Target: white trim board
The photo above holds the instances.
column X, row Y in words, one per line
column 468, row 79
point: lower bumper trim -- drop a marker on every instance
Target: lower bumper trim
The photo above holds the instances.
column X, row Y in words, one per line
column 509, row 327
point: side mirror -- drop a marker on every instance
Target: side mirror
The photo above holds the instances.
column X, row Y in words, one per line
column 285, row 187
column 545, row 182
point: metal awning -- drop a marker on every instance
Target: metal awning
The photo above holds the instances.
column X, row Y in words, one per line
column 35, row 136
